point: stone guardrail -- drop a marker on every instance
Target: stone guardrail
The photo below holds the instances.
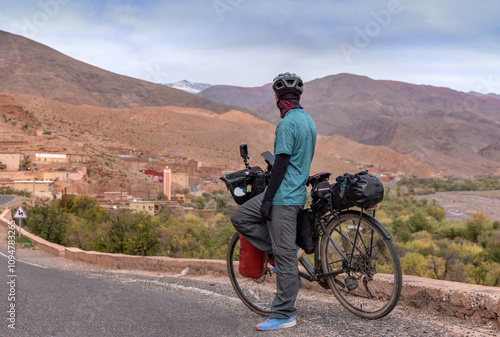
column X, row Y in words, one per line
column 475, row 303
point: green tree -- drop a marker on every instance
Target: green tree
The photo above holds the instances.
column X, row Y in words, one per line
column 85, row 234
column 48, row 222
column 478, row 270
column 401, row 230
column 413, row 264
column 476, row 226
column 141, row 237
column 436, row 267
column 436, row 212
column 418, row 222
column 116, row 229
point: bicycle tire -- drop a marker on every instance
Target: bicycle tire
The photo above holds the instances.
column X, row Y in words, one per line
column 256, row 294
column 371, row 279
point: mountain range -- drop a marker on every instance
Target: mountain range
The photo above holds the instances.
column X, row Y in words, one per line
column 447, row 129
column 396, row 127
column 28, row 67
column 491, row 94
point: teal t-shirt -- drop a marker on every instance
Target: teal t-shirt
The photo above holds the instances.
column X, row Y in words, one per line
column 295, row 136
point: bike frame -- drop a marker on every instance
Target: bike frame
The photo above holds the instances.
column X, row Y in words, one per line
column 314, row 273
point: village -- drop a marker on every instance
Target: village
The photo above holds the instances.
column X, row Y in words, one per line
column 53, row 175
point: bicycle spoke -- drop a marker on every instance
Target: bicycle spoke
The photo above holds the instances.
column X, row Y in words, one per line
column 256, row 294
column 370, row 284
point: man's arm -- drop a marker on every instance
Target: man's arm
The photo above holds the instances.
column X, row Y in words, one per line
column 280, row 166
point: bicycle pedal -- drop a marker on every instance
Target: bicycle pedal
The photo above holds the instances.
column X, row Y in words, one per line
column 351, row 283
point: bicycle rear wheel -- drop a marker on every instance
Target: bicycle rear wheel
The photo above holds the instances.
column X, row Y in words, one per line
column 360, row 250
column 256, row 294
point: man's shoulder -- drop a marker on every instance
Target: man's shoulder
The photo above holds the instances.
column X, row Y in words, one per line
column 296, row 119
column 295, row 114
column 298, row 111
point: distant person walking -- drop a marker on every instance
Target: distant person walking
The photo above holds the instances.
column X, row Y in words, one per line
column 269, row 220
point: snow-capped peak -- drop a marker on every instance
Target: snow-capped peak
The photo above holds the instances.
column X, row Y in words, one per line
column 190, row 87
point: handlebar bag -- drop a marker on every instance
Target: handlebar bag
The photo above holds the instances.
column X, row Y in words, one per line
column 245, row 184
column 252, row 260
column 236, row 183
column 305, row 231
column 359, row 190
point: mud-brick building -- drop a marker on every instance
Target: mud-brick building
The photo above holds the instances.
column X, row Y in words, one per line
column 78, row 158
column 11, row 161
column 51, row 158
column 211, row 171
column 155, row 176
column 147, row 207
column 191, row 168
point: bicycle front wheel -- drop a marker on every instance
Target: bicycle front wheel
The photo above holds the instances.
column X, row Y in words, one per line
column 359, row 252
column 256, row 294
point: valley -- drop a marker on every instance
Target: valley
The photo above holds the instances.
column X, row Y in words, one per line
column 108, row 127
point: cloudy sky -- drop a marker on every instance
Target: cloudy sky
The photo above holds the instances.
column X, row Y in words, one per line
column 450, row 43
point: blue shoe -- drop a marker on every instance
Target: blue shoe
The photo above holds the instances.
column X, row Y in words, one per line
column 276, row 323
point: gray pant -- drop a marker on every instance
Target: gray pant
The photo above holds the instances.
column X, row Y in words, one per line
column 277, row 237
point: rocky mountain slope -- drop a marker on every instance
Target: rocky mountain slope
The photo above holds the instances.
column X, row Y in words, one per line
column 251, row 98
column 101, row 113
column 442, row 127
column 155, row 131
column 28, row 67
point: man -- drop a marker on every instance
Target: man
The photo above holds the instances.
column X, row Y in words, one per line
column 269, row 220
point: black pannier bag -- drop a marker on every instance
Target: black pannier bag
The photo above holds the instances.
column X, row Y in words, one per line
column 305, row 232
column 356, row 190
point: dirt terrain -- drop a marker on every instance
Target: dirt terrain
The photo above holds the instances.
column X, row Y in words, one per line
column 197, row 134
column 460, row 206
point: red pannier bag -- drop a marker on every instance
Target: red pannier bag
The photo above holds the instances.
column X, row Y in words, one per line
column 252, row 260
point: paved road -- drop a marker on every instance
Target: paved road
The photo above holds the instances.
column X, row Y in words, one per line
column 58, row 297
column 4, row 199
column 52, row 302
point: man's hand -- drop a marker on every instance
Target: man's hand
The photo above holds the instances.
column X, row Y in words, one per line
column 265, row 209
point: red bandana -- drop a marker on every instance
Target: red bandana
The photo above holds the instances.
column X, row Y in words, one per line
column 289, row 101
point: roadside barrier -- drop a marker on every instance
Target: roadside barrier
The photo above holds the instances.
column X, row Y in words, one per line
column 471, row 302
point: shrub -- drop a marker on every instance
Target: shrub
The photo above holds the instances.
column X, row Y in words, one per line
column 48, row 222
column 413, row 264
column 476, row 226
column 418, row 222
column 436, row 212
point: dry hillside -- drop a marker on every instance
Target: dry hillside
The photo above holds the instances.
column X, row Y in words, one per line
column 28, row 67
column 446, row 129
column 155, row 131
column 93, row 111
column 378, row 156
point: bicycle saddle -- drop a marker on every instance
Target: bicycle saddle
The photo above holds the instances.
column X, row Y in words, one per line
column 322, row 176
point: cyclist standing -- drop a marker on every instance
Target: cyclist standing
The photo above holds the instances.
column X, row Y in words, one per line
column 269, row 220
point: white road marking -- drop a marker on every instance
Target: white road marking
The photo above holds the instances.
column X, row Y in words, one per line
column 33, row 264
column 197, row 290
